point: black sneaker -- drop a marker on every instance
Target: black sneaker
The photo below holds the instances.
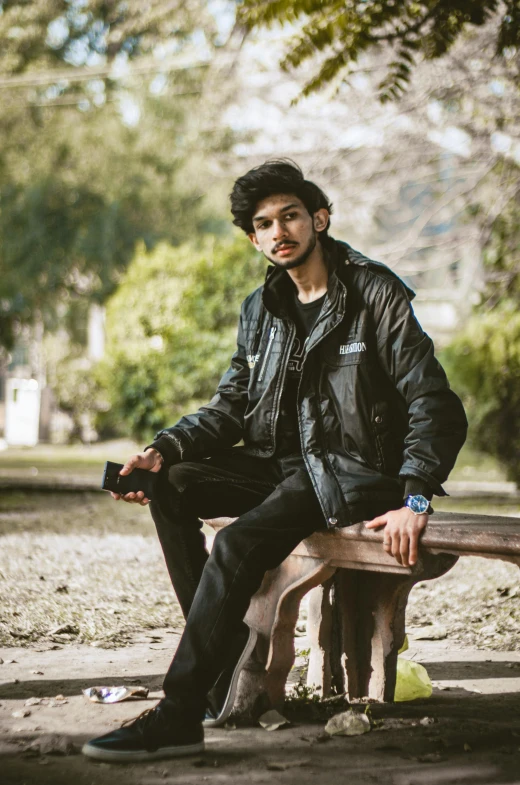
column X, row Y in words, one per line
column 222, row 696
column 155, row 734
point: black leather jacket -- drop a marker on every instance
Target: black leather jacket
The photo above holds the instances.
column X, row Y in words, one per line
column 375, row 407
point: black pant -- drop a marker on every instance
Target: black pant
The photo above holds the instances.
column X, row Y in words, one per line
column 277, row 508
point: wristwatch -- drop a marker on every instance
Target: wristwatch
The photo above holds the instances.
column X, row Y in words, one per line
column 418, row 504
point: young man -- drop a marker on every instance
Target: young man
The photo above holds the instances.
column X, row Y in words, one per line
column 345, row 416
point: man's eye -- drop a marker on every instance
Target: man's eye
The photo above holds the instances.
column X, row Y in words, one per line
column 290, row 215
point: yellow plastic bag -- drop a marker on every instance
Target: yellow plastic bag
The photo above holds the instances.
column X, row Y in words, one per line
column 412, row 681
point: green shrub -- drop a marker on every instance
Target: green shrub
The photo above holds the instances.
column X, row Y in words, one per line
column 171, row 330
column 483, row 364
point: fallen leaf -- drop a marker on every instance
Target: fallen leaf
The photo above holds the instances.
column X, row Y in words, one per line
column 38, row 673
column 33, row 701
column 348, row 723
column 275, row 765
column 272, row 720
column 467, row 747
column 434, row 632
column 64, row 629
column 427, row 721
column 20, row 713
column 430, row 757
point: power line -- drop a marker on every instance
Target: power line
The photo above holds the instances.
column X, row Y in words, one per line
column 98, row 72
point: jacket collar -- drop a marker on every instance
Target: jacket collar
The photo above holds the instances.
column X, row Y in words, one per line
column 278, row 286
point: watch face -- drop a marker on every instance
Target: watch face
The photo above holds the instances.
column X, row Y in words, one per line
column 418, row 504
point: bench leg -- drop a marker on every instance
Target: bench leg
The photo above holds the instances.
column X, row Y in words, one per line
column 371, row 608
column 273, row 613
column 320, row 634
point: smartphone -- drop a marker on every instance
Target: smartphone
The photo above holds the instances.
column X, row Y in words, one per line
column 138, row 480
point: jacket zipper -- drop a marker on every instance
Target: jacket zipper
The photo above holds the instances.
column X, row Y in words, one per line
column 325, row 458
column 267, row 353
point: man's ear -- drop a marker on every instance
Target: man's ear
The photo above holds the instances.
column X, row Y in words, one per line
column 321, row 219
column 252, row 237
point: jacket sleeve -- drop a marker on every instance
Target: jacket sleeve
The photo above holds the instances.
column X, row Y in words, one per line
column 437, row 423
column 219, row 423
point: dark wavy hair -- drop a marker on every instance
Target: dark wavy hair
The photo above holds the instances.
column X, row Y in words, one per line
column 278, row 176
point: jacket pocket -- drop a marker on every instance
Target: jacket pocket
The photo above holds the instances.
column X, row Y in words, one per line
column 388, row 443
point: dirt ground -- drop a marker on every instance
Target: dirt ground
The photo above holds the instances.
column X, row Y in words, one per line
column 472, row 735
column 85, row 600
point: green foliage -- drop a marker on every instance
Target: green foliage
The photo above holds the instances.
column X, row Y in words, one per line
column 171, row 330
column 483, row 364
column 76, row 388
column 344, row 31
column 501, row 260
column 50, row 32
column 75, row 197
column 80, row 183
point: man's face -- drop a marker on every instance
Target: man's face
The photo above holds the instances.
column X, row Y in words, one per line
column 284, row 231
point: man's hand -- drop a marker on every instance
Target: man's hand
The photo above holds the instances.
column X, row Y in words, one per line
column 401, row 535
column 151, row 460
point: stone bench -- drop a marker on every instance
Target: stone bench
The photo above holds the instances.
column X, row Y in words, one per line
column 357, row 605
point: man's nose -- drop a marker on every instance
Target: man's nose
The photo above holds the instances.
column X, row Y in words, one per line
column 279, row 230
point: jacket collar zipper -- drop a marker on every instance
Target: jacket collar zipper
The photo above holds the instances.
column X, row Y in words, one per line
column 272, row 333
column 322, row 318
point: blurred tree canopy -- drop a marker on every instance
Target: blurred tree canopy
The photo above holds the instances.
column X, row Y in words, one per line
column 46, row 33
column 171, row 331
column 343, row 30
column 78, row 191
column 90, row 163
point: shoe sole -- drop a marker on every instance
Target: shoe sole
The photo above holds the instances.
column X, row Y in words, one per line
column 120, row 756
column 227, row 708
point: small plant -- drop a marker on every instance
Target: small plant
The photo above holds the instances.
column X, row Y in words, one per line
column 303, row 694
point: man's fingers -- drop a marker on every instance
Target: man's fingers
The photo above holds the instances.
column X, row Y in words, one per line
column 404, row 549
column 376, row 522
column 129, row 497
column 414, row 541
column 115, row 496
column 130, row 465
column 396, row 546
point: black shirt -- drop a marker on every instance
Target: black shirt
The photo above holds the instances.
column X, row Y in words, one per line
column 304, row 316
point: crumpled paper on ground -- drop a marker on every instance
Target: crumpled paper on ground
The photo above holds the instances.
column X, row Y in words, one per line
column 115, row 694
column 348, row 723
column 272, row 720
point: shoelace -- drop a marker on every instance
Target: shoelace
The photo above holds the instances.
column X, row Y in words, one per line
column 143, row 718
